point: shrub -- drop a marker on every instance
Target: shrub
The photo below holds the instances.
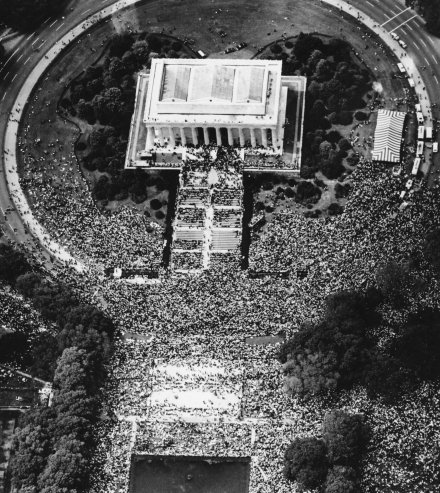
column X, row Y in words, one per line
column 305, row 462
column 155, row 204
column 160, row 215
column 334, row 209
column 431, row 249
column 344, row 144
column 361, row 116
column 289, row 192
column 276, row 48
column 288, row 44
column 259, row 206
column 307, row 193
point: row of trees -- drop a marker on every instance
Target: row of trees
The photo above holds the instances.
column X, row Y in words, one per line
column 335, row 89
column 53, row 446
column 331, row 463
column 104, row 97
column 341, row 351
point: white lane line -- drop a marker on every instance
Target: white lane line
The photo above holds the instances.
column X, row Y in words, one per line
column 409, row 27
column 391, row 18
column 416, row 45
column 41, row 44
column 30, row 36
column 11, row 56
column 403, row 23
column 47, row 20
column 435, row 77
column 26, row 60
column 85, row 11
column 54, row 22
column 433, row 57
column 35, row 41
column 4, row 95
column 372, row 4
column 61, row 25
column 423, row 43
column 426, row 60
column 7, row 73
column 20, row 57
column 14, row 77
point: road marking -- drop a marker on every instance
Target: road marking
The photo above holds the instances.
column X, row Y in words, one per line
column 11, row 56
column 20, row 57
column 435, row 77
column 416, row 45
column 423, row 43
column 26, row 60
column 47, row 20
column 7, row 73
column 403, row 23
column 54, row 22
column 409, row 27
column 372, row 4
column 4, row 95
column 41, row 44
column 61, row 25
column 426, row 60
column 433, row 57
column 35, row 41
column 30, row 36
column 14, row 77
column 391, row 18
column 85, row 11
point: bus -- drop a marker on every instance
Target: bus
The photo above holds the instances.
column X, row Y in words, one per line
column 420, row 146
column 420, row 118
column 421, row 132
column 401, row 67
column 416, row 166
column 411, row 82
column 429, row 133
column 418, row 107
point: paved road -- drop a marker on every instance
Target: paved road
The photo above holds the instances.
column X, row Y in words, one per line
column 423, row 49
column 13, row 73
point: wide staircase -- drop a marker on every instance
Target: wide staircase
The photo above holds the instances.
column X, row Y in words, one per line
column 207, row 228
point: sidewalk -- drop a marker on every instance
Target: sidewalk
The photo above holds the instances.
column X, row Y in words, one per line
column 9, row 154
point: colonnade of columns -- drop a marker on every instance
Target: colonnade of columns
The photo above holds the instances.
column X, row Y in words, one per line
column 258, row 136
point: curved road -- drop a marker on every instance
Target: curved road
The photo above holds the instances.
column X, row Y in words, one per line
column 423, row 49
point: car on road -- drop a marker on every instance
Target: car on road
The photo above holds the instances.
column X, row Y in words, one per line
column 403, row 44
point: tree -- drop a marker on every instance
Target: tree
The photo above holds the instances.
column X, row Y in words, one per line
column 30, row 447
column 345, row 436
column 27, row 283
column 394, row 281
column 120, row 43
column 385, row 377
column 305, row 462
column 419, row 345
column 341, row 479
column 66, row 469
column 431, row 249
column 12, row 263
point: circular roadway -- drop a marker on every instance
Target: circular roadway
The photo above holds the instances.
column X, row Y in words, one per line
column 422, row 50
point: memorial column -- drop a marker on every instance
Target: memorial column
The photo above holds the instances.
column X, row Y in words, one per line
column 182, row 136
column 253, row 139
column 218, row 136
column 230, row 137
column 194, row 136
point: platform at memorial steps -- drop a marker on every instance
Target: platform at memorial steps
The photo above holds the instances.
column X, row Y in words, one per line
column 208, row 222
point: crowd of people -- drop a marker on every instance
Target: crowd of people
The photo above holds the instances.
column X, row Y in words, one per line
column 189, row 321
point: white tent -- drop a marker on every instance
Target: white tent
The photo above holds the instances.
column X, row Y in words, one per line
column 388, row 135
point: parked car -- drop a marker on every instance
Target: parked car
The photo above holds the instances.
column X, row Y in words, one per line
column 241, row 45
column 230, row 49
column 395, row 36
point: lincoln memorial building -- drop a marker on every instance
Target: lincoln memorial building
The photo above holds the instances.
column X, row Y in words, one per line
column 186, row 102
